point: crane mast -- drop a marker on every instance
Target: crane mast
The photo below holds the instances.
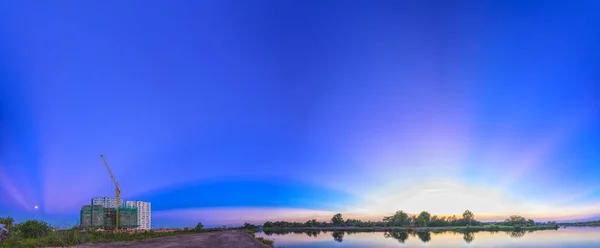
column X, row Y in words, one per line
column 117, row 191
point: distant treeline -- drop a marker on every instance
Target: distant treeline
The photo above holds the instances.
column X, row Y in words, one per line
column 588, row 223
column 403, row 219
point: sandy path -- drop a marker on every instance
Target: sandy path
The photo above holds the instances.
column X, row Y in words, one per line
column 226, row 239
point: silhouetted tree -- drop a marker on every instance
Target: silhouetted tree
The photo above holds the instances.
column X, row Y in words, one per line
column 268, row 224
column 249, row 226
column 530, row 222
column 468, row 216
column 400, row 218
column 337, row 220
column 514, row 220
column 199, row 227
column 421, row 221
column 426, row 216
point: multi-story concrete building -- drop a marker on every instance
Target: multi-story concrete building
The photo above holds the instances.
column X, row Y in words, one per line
column 107, row 202
column 144, row 213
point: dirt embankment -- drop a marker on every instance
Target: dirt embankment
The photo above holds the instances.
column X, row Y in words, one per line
column 226, row 239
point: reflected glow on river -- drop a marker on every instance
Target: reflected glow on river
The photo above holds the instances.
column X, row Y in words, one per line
column 563, row 237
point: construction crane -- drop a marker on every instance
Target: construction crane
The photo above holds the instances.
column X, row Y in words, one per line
column 117, row 191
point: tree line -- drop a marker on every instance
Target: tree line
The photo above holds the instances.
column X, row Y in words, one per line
column 403, row 219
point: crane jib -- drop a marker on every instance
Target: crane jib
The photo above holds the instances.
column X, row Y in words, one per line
column 117, row 192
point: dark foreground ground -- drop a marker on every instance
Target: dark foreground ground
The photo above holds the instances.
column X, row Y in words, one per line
column 226, row 239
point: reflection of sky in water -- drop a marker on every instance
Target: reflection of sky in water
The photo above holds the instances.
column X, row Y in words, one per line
column 569, row 237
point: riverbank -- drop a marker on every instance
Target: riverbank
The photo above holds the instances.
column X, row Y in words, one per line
column 222, row 239
column 417, row 229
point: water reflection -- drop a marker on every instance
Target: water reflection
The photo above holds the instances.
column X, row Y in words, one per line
column 517, row 234
column 571, row 237
column 338, row 236
column 400, row 236
column 469, row 237
column 424, row 236
column 313, row 233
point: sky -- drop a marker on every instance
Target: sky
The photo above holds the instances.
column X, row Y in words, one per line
column 228, row 112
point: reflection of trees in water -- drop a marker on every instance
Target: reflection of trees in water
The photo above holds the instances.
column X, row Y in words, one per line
column 424, row 236
column 313, row 233
column 468, row 237
column 338, row 236
column 403, row 236
column 517, row 234
column 400, row 236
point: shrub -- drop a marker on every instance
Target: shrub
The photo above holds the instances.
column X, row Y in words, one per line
column 32, row 229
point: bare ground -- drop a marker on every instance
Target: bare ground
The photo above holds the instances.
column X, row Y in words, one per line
column 226, row 239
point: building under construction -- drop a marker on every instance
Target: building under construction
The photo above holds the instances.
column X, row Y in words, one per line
column 99, row 217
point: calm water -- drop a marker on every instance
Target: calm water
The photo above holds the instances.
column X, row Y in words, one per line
column 563, row 237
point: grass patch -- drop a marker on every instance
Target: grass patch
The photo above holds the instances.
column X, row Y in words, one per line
column 268, row 242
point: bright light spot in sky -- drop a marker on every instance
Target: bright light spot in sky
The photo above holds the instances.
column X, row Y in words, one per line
column 36, row 207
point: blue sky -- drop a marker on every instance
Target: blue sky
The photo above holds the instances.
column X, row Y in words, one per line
column 300, row 108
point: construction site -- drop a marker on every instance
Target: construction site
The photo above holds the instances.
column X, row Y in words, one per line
column 100, row 217
column 110, row 214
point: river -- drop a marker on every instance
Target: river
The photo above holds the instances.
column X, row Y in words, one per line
column 575, row 237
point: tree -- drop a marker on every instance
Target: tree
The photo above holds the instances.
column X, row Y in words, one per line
column 421, row 221
column 515, row 220
column 33, row 229
column 199, row 227
column 353, row 222
column 268, row 224
column 530, row 222
column 337, row 220
column 400, row 218
column 426, row 216
column 314, row 222
column 468, row 216
column 249, row 226
column 452, row 220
